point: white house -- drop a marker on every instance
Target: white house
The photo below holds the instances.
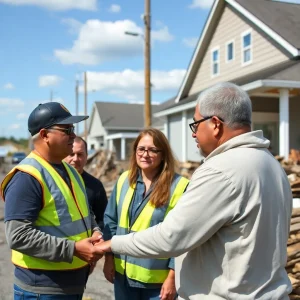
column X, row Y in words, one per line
column 114, row 126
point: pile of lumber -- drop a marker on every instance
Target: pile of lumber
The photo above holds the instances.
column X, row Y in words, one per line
column 187, row 169
column 292, row 169
column 103, row 165
column 293, row 254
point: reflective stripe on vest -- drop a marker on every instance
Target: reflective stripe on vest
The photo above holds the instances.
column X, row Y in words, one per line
column 143, row 270
column 59, row 216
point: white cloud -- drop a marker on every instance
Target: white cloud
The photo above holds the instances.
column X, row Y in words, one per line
column 49, row 80
column 162, row 35
column 21, row 116
column 100, row 41
column 10, row 104
column 129, row 84
column 56, row 4
column 190, row 42
column 14, row 126
column 114, row 8
column 74, row 25
column 204, row 4
column 9, row 86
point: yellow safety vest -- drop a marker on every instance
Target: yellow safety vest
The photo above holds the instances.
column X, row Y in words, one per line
column 143, row 270
column 64, row 214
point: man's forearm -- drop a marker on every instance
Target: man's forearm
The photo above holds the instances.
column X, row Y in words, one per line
column 23, row 237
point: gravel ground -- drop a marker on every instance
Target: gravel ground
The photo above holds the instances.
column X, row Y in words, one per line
column 97, row 288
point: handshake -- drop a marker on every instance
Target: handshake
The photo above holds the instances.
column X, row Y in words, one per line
column 92, row 249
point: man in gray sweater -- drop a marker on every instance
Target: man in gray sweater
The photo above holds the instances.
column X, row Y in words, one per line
column 230, row 228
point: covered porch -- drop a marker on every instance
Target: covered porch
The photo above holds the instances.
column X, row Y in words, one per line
column 121, row 143
column 276, row 109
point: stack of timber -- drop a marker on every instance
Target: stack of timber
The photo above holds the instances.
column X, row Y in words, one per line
column 292, row 169
column 293, row 254
column 103, row 165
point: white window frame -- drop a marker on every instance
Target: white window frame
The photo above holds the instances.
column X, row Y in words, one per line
column 243, row 49
column 213, row 62
column 233, row 51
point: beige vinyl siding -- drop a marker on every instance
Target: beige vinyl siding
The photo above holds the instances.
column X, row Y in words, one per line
column 230, row 28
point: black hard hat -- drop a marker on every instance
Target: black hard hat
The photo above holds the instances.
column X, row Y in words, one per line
column 51, row 113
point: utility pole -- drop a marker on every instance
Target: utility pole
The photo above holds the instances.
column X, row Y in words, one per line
column 51, row 95
column 85, row 106
column 77, row 104
column 147, row 104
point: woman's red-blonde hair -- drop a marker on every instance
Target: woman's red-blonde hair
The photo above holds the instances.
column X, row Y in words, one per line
column 165, row 172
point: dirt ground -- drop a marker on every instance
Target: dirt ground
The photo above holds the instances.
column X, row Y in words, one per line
column 97, row 288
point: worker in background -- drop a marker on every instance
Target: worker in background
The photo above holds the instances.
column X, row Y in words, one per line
column 94, row 188
column 47, row 220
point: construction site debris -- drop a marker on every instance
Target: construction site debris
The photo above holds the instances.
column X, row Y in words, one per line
column 293, row 254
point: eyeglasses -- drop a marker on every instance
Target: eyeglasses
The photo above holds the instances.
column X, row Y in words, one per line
column 152, row 152
column 67, row 131
column 195, row 124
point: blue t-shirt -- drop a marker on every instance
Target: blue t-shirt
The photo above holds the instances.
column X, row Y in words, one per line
column 23, row 201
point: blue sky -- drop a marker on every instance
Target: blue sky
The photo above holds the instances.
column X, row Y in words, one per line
column 47, row 44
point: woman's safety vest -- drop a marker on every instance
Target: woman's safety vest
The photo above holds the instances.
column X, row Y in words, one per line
column 64, row 213
column 143, row 269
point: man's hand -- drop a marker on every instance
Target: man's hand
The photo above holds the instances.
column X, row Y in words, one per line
column 86, row 250
column 97, row 234
column 109, row 268
column 168, row 289
column 103, row 246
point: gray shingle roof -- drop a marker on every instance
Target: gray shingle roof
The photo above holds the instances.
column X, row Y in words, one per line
column 123, row 115
column 282, row 17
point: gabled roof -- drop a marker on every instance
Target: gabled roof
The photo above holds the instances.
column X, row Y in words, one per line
column 287, row 71
column 125, row 116
column 278, row 20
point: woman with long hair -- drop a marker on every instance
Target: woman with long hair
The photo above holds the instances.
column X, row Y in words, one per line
column 142, row 197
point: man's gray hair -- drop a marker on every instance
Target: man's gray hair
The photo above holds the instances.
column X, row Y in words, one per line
column 228, row 102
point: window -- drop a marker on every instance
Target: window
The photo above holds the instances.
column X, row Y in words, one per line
column 229, row 51
column 215, row 58
column 246, row 48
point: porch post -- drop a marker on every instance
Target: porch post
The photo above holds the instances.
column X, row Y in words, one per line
column 284, row 134
column 184, row 141
column 123, row 148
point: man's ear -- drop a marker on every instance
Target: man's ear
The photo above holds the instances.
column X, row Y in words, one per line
column 217, row 126
column 44, row 134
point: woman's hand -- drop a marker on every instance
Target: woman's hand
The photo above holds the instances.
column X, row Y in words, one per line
column 168, row 289
column 109, row 267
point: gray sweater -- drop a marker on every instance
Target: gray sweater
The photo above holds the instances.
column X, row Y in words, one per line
column 230, row 228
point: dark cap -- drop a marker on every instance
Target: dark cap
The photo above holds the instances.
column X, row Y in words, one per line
column 51, row 113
